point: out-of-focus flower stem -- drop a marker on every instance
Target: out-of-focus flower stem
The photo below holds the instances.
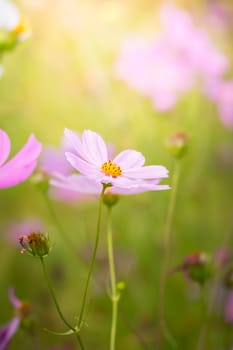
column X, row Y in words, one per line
column 80, row 319
column 114, row 293
column 167, row 250
column 50, row 287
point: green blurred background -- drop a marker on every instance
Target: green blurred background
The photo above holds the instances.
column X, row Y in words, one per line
column 63, row 76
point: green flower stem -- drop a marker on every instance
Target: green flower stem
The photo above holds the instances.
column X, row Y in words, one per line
column 57, row 223
column 84, row 300
column 167, row 250
column 114, row 294
column 48, row 281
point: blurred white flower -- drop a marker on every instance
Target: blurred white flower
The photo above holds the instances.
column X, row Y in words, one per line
column 12, row 20
column 9, row 15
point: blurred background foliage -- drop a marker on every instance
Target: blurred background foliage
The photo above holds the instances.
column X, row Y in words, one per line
column 63, row 76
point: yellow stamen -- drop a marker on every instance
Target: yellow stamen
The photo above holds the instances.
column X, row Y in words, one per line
column 111, row 169
column 22, row 27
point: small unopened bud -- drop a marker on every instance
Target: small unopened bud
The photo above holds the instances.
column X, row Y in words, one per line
column 196, row 267
column 35, row 244
column 40, row 180
column 177, row 144
column 23, row 310
column 121, row 286
column 110, row 198
column 199, row 269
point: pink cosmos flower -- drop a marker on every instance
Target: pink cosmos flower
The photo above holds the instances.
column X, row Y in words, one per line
column 20, row 167
column 149, row 66
column 126, row 173
column 21, row 310
column 53, row 160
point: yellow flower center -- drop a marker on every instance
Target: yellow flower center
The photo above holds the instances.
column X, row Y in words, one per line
column 22, row 27
column 111, row 169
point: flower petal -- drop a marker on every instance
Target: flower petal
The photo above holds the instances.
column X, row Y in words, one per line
column 13, row 298
column 138, row 189
column 12, row 176
column 53, row 159
column 26, row 155
column 94, row 148
column 7, row 332
column 77, row 183
column 5, row 146
column 73, row 142
column 81, row 165
column 129, row 159
column 147, row 172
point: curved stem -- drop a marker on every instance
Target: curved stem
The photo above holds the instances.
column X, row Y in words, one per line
column 167, row 248
column 80, row 319
column 114, row 294
column 48, row 281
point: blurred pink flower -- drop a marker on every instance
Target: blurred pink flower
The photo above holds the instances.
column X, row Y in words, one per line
column 221, row 92
column 54, row 160
column 219, row 14
column 125, row 172
column 21, row 228
column 228, row 312
column 165, row 66
column 8, row 330
column 148, row 65
column 223, row 256
column 20, row 167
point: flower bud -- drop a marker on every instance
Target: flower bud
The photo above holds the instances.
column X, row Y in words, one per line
column 177, row 144
column 23, row 310
column 109, row 198
column 196, row 267
column 121, row 286
column 35, row 244
column 199, row 269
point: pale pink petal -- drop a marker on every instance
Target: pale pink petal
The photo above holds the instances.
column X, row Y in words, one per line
column 73, row 141
column 12, row 176
column 120, row 181
column 94, row 148
column 7, row 332
column 13, row 298
column 147, row 172
column 53, row 159
column 63, row 183
column 77, row 183
column 138, row 189
column 129, row 159
column 5, row 146
column 26, row 155
column 81, row 165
